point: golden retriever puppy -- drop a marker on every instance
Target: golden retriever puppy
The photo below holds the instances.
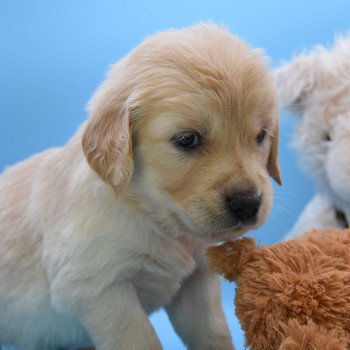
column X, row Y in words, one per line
column 100, row 233
column 316, row 85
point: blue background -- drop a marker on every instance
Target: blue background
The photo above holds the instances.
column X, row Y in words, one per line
column 53, row 54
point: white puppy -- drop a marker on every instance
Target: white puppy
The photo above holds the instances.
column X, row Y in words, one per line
column 317, row 87
column 177, row 152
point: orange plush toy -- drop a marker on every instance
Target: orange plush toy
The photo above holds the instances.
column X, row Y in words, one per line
column 293, row 295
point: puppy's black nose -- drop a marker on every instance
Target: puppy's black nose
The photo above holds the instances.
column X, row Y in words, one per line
column 244, row 206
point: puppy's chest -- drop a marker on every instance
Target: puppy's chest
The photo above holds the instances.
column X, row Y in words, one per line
column 160, row 277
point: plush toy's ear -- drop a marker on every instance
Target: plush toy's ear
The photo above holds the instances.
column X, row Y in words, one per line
column 273, row 164
column 107, row 138
column 229, row 258
column 296, row 80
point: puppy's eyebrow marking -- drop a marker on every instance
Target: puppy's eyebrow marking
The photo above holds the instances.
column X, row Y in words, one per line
column 201, row 130
column 180, row 133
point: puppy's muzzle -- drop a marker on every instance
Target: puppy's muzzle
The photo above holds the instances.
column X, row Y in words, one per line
column 244, row 207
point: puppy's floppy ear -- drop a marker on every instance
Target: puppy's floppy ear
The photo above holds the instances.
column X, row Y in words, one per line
column 273, row 164
column 107, row 139
column 230, row 258
column 295, row 80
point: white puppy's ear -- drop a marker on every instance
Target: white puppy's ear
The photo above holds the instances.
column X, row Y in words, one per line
column 107, row 139
column 296, row 80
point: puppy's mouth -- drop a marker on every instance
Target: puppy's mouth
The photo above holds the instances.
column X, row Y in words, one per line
column 238, row 219
column 232, row 225
column 233, row 232
column 213, row 231
column 206, row 224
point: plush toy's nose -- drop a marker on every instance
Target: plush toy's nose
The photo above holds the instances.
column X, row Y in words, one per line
column 244, row 206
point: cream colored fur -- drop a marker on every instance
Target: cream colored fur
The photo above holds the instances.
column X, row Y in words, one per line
column 317, row 86
column 96, row 235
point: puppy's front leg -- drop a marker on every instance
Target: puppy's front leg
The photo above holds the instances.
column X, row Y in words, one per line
column 197, row 316
column 116, row 320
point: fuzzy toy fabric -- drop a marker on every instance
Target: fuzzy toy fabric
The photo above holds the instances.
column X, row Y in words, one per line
column 319, row 213
column 316, row 86
column 293, row 295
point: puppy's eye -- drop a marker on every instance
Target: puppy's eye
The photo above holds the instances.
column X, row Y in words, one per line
column 260, row 137
column 190, row 140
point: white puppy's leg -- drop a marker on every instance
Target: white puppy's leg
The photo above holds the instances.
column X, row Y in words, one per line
column 116, row 320
column 197, row 316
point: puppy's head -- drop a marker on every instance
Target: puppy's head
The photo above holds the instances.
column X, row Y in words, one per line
column 185, row 129
column 317, row 87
